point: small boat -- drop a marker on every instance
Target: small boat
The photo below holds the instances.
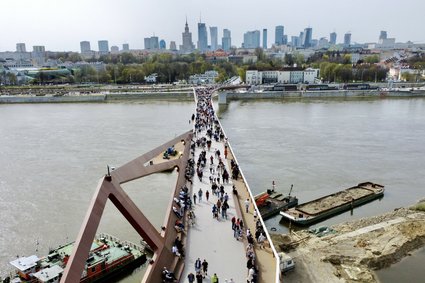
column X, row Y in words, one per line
column 108, row 256
column 270, row 202
column 330, row 205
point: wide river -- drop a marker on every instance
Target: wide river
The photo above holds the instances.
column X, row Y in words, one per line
column 52, row 156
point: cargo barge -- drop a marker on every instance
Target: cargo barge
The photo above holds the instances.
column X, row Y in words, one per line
column 322, row 208
column 108, row 257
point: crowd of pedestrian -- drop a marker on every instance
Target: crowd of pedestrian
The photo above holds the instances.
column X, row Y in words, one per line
column 210, row 160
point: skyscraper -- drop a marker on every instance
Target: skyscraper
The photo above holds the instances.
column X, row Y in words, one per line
column 265, row 38
column 214, row 38
column 103, row 46
column 162, row 44
column 295, row 41
column 301, row 39
column 308, row 34
column 202, row 37
column 173, row 46
column 151, row 42
column 347, row 39
column 187, row 44
column 251, row 39
column 382, row 36
column 332, row 38
column 20, row 48
column 85, row 46
column 226, row 41
column 125, row 47
column 279, row 32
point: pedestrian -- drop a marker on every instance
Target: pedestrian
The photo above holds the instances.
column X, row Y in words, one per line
column 207, row 194
column 218, row 205
column 255, row 214
column 199, row 278
column 261, row 240
column 233, row 223
column 246, row 205
column 214, row 278
column 194, row 198
column 198, row 265
column 191, row 277
column 200, row 194
column 205, row 267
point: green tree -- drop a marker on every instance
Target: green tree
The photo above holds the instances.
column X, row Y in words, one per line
column 371, row 59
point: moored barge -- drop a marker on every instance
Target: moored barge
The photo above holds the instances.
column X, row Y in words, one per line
column 108, row 257
column 322, row 208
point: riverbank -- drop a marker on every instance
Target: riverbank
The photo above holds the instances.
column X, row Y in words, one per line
column 352, row 251
column 11, row 99
column 226, row 97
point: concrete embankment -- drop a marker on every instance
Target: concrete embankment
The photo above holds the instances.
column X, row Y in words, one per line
column 95, row 97
column 350, row 252
column 319, row 94
column 51, row 99
column 150, row 95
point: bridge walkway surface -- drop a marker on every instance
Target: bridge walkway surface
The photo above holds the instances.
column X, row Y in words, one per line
column 213, row 239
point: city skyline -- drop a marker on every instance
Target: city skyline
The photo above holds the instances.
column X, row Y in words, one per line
column 40, row 24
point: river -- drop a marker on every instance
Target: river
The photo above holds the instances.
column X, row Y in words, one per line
column 52, row 156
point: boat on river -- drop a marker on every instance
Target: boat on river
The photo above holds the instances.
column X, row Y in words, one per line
column 270, row 202
column 108, row 256
column 330, row 205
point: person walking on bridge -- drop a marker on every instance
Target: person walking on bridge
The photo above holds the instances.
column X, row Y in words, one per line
column 247, row 205
column 191, row 277
column 214, row 278
column 200, row 194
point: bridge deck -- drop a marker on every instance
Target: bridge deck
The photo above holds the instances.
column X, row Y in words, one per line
column 212, row 239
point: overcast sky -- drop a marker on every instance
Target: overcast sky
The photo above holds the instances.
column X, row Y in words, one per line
column 60, row 25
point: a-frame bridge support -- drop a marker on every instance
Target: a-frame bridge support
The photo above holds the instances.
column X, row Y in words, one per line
column 109, row 187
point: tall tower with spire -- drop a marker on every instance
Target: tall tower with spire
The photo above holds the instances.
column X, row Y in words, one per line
column 187, row 44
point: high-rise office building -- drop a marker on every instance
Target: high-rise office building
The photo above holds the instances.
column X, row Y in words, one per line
column 151, row 43
column 347, row 39
column 20, row 48
column 226, row 41
column 295, row 41
column 301, row 39
column 278, row 35
column 38, row 55
column 214, row 38
column 202, row 37
column 173, row 46
column 332, row 38
column 251, row 39
column 103, row 46
column 85, row 46
column 308, row 35
column 285, row 39
column 125, row 47
column 162, row 44
column 383, row 35
column 187, row 44
column 265, row 38
column 39, row 49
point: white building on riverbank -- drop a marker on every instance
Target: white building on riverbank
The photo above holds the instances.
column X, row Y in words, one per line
column 286, row 76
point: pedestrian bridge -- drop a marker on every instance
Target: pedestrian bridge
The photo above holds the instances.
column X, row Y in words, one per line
column 205, row 237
